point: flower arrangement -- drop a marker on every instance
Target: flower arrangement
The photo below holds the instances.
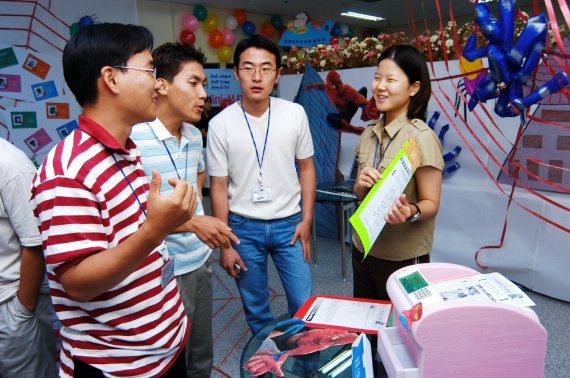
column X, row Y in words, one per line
column 355, row 52
column 436, row 43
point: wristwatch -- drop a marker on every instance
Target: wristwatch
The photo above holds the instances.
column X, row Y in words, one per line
column 417, row 216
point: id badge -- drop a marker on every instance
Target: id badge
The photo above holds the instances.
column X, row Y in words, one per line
column 262, row 195
column 167, row 272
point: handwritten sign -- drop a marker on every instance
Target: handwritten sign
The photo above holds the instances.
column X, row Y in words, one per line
column 222, row 86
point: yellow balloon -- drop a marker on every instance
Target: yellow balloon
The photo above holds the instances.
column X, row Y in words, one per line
column 466, row 66
column 211, row 23
column 225, row 53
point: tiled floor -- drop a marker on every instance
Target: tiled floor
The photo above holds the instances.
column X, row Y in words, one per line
column 230, row 329
column 231, row 332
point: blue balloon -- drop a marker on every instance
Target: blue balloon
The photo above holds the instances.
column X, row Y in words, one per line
column 510, row 67
column 516, row 94
column 488, row 24
column 85, row 21
column 485, row 90
column 555, row 84
column 444, row 129
column 524, row 74
column 471, row 52
column 336, row 30
column 502, row 108
column 506, row 18
column 248, row 28
column 498, row 65
column 535, row 28
column 448, row 156
column 450, row 169
column 433, row 119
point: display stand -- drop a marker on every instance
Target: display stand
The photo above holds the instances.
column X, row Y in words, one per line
column 466, row 338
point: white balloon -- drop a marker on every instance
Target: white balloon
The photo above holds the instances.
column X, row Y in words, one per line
column 231, row 22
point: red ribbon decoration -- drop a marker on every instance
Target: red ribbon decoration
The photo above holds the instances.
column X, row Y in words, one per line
column 554, row 24
column 488, row 172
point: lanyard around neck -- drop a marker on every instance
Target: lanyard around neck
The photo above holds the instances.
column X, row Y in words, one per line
column 382, row 153
column 174, row 164
column 259, row 161
column 130, row 184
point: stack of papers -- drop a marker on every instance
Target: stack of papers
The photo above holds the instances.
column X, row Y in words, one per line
column 493, row 287
column 352, row 314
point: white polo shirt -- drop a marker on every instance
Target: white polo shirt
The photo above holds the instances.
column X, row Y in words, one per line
column 231, row 153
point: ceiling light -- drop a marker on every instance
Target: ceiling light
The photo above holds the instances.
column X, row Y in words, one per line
column 362, row 16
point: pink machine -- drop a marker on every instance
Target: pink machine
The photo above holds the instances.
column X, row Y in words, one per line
column 465, row 338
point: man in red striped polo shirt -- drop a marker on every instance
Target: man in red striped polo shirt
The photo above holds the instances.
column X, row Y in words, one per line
column 103, row 228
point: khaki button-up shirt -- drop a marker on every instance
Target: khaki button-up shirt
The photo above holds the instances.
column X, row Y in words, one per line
column 407, row 240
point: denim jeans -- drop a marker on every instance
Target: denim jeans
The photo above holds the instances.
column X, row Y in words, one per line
column 258, row 240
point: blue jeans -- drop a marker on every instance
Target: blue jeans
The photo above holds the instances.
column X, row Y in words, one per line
column 258, row 240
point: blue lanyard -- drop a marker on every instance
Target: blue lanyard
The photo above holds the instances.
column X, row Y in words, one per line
column 259, row 161
column 376, row 165
column 174, row 164
column 130, row 184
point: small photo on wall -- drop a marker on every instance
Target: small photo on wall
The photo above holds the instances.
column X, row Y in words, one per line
column 10, row 83
column 36, row 66
column 38, row 140
column 8, row 57
column 17, row 120
column 57, row 110
column 64, row 130
column 32, row 143
column 24, row 120
column 43, row 91
column 39, row 92
column 31, row 63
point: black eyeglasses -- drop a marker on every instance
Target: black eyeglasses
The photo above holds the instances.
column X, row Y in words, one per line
column 265, row 71
column 152, row 71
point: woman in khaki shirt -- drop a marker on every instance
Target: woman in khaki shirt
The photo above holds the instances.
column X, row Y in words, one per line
column 401, row 89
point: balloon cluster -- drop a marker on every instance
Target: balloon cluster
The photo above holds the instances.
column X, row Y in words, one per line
column 223, row 39
column 510, row 66
column 217, row 39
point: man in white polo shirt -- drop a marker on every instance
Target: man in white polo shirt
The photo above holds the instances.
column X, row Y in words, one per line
column 174, row 148
column 252, row 149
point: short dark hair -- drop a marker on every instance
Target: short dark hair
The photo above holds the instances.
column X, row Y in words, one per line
column 169, row 57
column 96, row 46
column 411, row 61
column 259, row 42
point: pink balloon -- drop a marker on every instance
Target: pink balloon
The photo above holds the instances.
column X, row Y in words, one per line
column 190, row 22
column 229, row 36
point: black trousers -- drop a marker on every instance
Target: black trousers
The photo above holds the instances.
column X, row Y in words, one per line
column 83, row 370
column 370, row 276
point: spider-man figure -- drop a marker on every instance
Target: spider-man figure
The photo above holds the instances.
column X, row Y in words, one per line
column 346, row 100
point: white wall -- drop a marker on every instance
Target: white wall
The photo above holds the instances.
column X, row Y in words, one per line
column 473, row 208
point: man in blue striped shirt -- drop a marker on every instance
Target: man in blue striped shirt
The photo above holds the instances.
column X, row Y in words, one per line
column 174, row 148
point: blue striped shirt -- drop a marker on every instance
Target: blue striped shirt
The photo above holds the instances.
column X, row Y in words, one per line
column 160, row 150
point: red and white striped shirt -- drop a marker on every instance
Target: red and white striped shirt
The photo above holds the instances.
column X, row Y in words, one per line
column 84, row 205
